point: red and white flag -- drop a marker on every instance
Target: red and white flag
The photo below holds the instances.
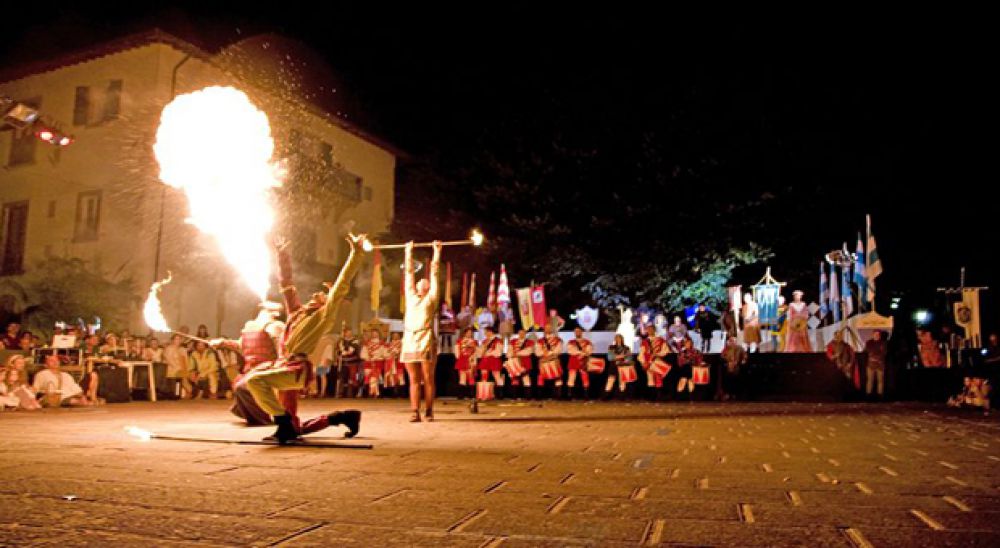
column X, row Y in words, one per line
column 491, row 297
column 503, row 290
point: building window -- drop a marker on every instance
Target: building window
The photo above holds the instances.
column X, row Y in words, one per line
column 13, row 235
column 113, row 100
column 52, row 208
column 88, row 216
column 368, row 193
column 23, row 141
column 81, row 106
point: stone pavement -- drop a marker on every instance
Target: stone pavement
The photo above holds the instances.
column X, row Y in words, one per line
column 562, row 474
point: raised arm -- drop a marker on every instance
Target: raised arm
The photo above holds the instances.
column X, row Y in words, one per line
column 288, row 291
column 408, row 269
column 435, row 267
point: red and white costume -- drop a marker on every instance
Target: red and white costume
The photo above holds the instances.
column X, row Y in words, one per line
column 374, row 353
column 579, row 354
column 490, row 358
column 520, row 350
column 548, row 350
column 652, row 356
column 395, row 372
column 465, row 359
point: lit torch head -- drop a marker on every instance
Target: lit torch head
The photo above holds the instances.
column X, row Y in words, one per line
column 143, row 435
column 477, row 238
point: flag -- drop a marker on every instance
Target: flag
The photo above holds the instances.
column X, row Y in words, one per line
column 834, row 293
column 376, row 282
column 735, row 298
column 491, row 295
column 447, row 285
column 503, row 290
column 402, row 293
column 874, row 262
column 538, row 310
column 465, row 290
column 859, row 273
column 845, row 286
column 524, row 307
column 472, row 292
column 824, row 292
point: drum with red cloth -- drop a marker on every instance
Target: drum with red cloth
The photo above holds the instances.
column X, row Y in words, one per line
column 595, row 365
column 659, row 367
column 700, row 374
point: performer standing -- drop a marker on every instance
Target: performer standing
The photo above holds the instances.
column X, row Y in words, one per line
column 620, row 367
column 373, row 354
column 291, row 371
column 465, row 359
column 490, row 357
column 797, row 323
column 349, row 358
column 395, row 373
column 652, row 356
column 419, row 353
column 520, row 350
column 704, row 324
column 678, row 334
column 579, row 350
column 548, row 350
column 687, row 358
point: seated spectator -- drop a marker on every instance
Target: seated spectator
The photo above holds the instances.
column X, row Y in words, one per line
column 91, row 345
column 112, row 347
column 52, row 380
column 153, row 351
column 11, row 339
column 14, row 391
column 204, row 371
column 136, row 348
column 975, row 394
column 28, row 341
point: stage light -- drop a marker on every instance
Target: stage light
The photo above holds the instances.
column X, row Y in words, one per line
column 894, row 305
column 922, row 316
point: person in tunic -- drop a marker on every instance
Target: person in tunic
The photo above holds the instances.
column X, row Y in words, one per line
column 373, row 355
column 258, row 343
column 734, row 356
column 349, row 359
column 688, row 357
column 876, row 350
column 292, row 371
column 419, row 353
column 395, row 373
column 520, row 350
column 579, row 350
column 797, row 339
column 678, row 334
column 620, row 367
column 490, row 360
column 548, row 350
column 653, row 351
column 465, row 361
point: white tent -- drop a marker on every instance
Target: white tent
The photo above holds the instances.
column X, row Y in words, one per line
column 861, row 326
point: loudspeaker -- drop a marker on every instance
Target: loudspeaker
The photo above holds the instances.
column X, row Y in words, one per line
column 113, row 384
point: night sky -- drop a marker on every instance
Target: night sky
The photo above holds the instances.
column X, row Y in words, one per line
column 837, row 116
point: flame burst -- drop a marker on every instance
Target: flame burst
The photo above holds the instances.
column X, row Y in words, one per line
column 151, row 311
column 216, row 146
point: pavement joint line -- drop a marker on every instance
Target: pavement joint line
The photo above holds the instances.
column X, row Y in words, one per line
column 567, row 478
column 494, row 488
column 890, row 457
column 767, row 468
column 675, row 473
column 276, row 513
column 928, row 521
column 745, row 512
column 814, row 450
column 639, row 493
column 512, row 459
column 794, row 498
column 889, row 471
column 994, row 458
column 864, row 488
column 653, row 533
column 956, row 481
column 214, row 472
column 921, row 453
column 947, row 464
column 786, row 454
column 616, row 456
column 466, row 520
column 957, row 503
column 534, row 467
column 297, row 534
column 558, row 505
column 834, row 462
column 882, row 447
column 823, row 477
column 390, row 495
column 855, row 538
column 701, row 483
column 493, row 542
column 713, row 447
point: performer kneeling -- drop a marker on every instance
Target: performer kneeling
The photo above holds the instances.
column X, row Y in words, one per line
column 291, row 371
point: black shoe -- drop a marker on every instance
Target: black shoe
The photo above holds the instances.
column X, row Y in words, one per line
column 350, row 418
column 286, row 432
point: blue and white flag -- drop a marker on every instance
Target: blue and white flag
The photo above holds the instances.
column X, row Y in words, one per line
column 874, row 263
column 824, row 292
column 845, row 286
column 859, row 273
column 834, row 293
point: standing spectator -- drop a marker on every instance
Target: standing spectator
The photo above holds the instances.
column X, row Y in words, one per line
column 734, row 356
column 349, row 357
column 555, row 322
column 484, row 320
column 704, row 324
column 175, row 355
column 505, row 321
column 12, row 337
column 446, row 329
column 842, row 354
column 877, row 349
column 204, row 371
column 52, row 380
column 930, row 351
column 464, row 319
